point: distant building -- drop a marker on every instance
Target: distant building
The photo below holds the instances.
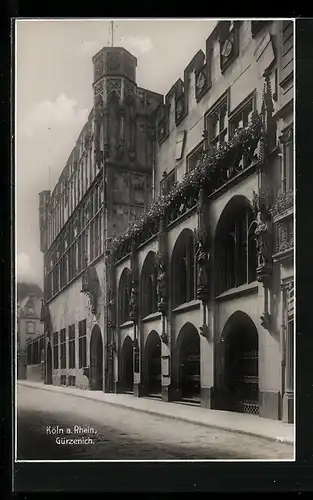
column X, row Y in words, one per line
column 168, row 240
column 29, row 331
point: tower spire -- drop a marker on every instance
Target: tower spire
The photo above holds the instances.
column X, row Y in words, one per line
column 112, row 33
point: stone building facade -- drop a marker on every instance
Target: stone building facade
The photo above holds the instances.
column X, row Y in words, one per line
column 29, row 330
column 189, row 293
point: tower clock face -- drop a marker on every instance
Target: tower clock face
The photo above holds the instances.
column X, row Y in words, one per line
column 227, row 48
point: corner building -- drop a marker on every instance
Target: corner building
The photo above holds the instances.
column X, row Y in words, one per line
column 168, row 241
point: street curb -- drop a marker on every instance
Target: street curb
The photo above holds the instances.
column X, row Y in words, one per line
column 158, row 414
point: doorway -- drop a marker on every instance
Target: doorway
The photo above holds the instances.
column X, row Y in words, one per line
column 127, row 365
column 188, row 346
column 153, row 364
column 96, row 359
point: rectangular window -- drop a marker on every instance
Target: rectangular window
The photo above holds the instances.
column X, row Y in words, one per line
column 168, row 181
column 180, row 142
column 56, row 350
column 71, row 346
column 30, row 311
column 82, row 343
column 30, row 327
column 287, row 162
column 194, row 158
column 217, row 123
column 287, row 52
column 63, row 347
column 241, row 117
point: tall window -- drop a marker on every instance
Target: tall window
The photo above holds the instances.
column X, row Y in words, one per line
column 183, row 269
column 217, row 123
column 82, row 343
column 63, row 347
column 56, row 350
column 149, row 286
column 124, row 296
column 241, row 116
column 235, row 247
column 95, row 240
column 287, row 161
column 30, row 327
column 71, row 346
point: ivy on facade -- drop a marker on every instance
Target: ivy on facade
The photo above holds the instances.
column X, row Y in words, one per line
column 214, row 163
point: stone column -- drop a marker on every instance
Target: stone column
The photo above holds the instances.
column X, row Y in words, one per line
column 288, row 399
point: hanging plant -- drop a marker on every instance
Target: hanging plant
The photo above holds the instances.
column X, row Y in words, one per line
column 211, row 166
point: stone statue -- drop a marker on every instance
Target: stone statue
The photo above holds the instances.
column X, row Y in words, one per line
column 262, row 236
column 161, row 280
column 203, row 258
column 133, row 299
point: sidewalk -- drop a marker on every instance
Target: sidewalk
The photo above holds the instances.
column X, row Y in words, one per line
column 230, row 421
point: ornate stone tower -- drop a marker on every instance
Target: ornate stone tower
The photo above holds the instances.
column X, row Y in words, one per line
column 123, row 135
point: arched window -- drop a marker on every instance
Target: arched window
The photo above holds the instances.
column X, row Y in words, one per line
column 183, row 269
column 235, row 248
column 149, row 286
column 124, row 290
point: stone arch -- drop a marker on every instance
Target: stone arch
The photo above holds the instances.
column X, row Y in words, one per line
column 153, row 376
column 127, row 365
column 148, row 286
column 96, row 359
column 238, row 364
column 183, row 277
column 188, row 363
column 235, row 258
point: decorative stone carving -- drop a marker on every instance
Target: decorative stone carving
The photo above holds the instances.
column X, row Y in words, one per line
column 162, row 291
column 164, row 337
column 129, row 89
column 266, row 320
column 111, row 308
column 263, row 241
column 205, row 331
column 133, row 302
column 114, row 85
column 98, row 66
column 99, row 88
column 179, row 107
column 203, row 261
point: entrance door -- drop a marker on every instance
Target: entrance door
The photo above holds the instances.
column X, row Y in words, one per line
column 49, row 365
column 241, row 365
column 96, row 360
column 153, row 364
column 189, row 363
column 127, row 365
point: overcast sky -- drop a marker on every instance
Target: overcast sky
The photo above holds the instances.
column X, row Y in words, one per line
column 54, row 98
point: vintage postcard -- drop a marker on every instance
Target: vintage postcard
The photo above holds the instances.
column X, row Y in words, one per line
column 155, row 258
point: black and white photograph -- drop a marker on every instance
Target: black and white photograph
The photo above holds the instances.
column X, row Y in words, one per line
column 154, row 226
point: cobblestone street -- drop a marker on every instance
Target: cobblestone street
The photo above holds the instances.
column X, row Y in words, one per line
column 122, row 434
